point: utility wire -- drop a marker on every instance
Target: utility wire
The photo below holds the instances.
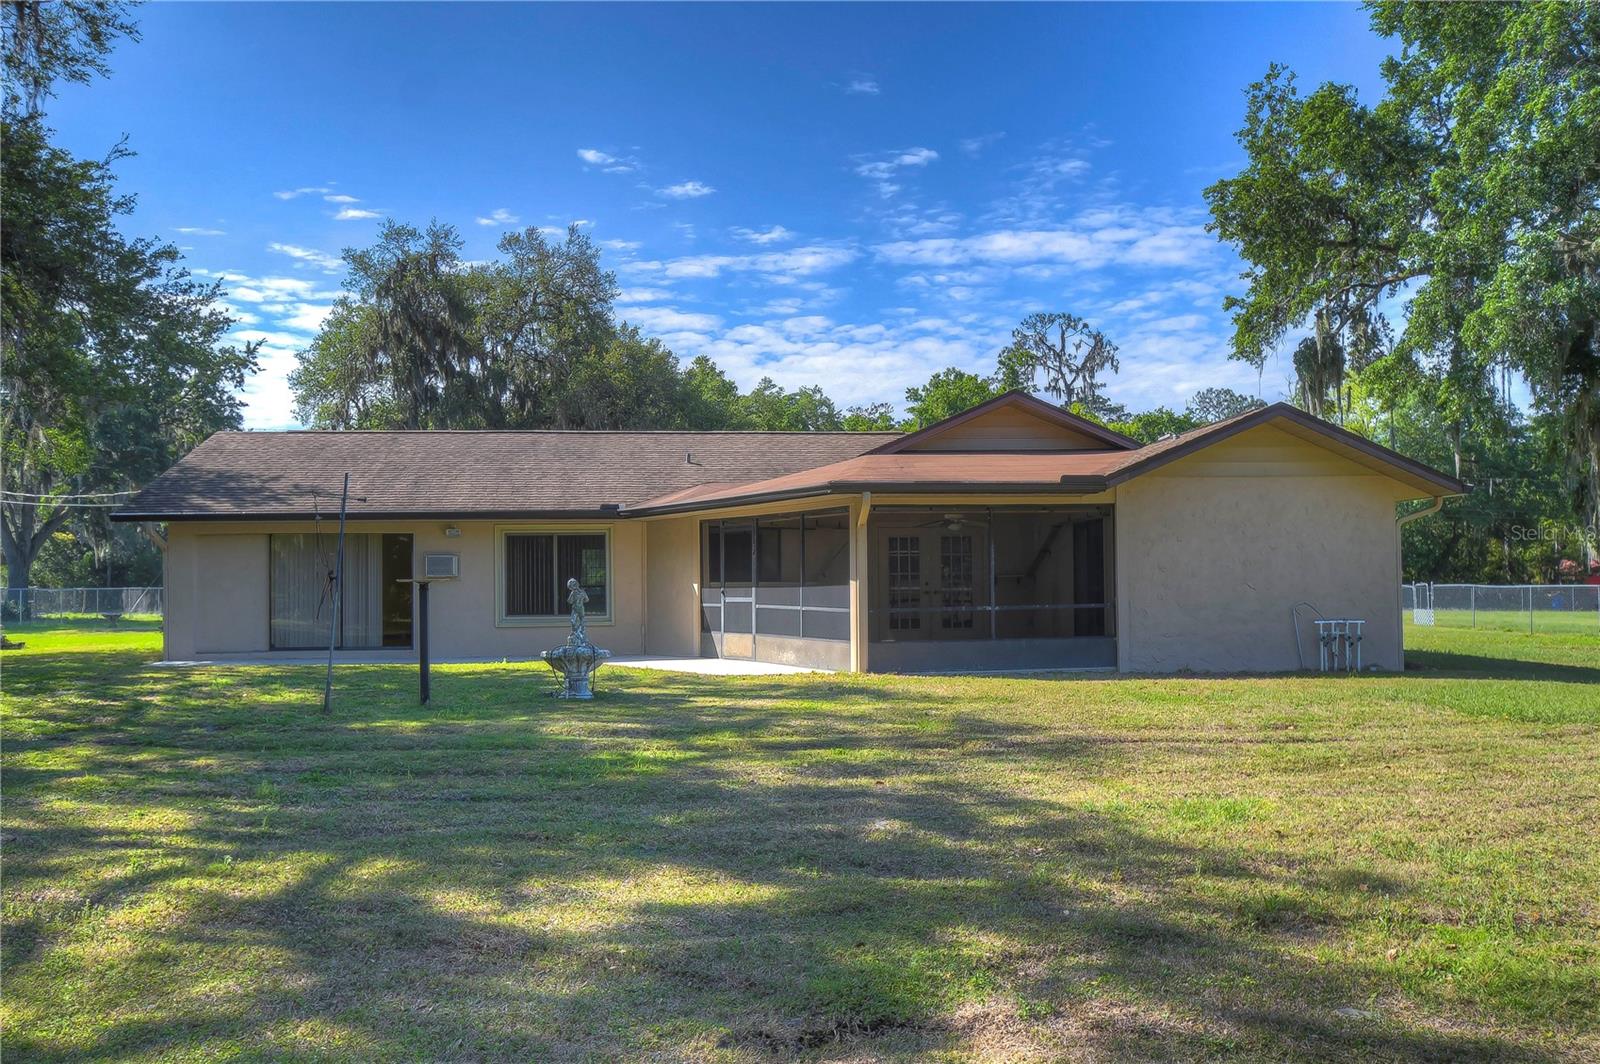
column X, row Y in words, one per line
column 70, row 495
column 65, row 505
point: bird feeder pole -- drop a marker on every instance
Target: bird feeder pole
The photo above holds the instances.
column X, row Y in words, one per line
column 338, row 593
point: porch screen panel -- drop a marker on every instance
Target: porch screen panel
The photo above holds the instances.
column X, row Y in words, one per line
column 777, row 590
column 972, row 573
column 827, row 560
column 738, row 577
column 796, row 568
column 711, row 576
column 826, row 576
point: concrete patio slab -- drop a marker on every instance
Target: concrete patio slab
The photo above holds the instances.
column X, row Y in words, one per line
column 699, row 666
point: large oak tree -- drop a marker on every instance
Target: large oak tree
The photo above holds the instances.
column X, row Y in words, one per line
column 1444, row 237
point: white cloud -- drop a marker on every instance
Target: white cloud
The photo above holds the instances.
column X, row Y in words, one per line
column 353, row 214
column 855, row 362
column 1138, row 245
column 195, row 230
column 1038, row 193
column 974, row 146
column 776, row 235
column 498, row 216
column 306, row 317
column 283, row 314
column 667, row 321
column 320, row 259
column 781, row 265
column 340, row 198
column 620, row 245
column 1175, row 245
column 863, row 86
column 686, row 190
column 883, row 170
column 611, row 164
column 293, row 193
column 643, row 295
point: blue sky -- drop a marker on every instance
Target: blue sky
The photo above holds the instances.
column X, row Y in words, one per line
column 849, row 196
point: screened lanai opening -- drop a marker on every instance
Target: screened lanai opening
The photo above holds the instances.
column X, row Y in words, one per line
column 970, row 588
column 777, row 589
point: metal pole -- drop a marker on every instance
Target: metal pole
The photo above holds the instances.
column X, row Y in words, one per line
column 1530, row 609
column 1472, row 591
column 422, row 636
column 337, row 594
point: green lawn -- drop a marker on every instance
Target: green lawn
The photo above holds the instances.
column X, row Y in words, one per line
column 197, row 865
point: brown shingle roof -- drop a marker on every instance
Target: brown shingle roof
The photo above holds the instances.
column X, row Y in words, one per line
column 279, row 474
column 1067, row 472
column 1052, row 471
column 464, row 474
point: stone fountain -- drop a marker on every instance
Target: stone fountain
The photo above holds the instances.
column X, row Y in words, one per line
column 576, row 660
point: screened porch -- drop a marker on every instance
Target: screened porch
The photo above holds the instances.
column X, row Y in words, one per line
column 965, row 589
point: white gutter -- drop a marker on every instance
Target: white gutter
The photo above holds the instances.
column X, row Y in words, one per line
column 1399, row 565
column 1438, row 504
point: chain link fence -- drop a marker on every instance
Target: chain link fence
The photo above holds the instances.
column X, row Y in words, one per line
column 24, row 603
column 1505, row 607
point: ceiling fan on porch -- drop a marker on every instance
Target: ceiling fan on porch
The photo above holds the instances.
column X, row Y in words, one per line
column 955, row 522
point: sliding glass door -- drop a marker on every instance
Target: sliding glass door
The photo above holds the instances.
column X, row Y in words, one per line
column 375, row 609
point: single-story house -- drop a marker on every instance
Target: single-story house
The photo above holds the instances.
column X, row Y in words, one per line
column 1015, row 535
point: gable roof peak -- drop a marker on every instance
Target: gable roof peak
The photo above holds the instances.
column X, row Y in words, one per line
column 1019, row 399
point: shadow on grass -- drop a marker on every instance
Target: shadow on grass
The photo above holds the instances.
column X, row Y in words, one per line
column 680, row 867
column 1452, row 663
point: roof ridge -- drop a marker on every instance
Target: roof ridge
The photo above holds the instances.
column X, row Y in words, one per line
column 558, row 432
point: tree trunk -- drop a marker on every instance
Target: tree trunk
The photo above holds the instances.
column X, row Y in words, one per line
column 22, row 536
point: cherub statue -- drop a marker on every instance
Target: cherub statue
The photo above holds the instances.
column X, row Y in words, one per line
column 577, row 598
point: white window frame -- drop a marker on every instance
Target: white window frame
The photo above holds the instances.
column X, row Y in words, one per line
column 555, row 620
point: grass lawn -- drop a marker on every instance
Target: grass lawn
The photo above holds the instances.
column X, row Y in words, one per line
column 197, row 865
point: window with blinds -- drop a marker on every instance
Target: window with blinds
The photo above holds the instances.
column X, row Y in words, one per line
column 535, row 568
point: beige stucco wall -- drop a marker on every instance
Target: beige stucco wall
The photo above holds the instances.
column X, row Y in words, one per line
column 1214, row 550
column 218, row 594
column 672, row 587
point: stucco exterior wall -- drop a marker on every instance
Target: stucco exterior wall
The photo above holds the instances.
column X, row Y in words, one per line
column 218, row 595
column 672, row 587
column 1214, row 550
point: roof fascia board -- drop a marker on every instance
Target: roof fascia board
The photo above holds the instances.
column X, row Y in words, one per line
column 1066, row 486
column 375, row 515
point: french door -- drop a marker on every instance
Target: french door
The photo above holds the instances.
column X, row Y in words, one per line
column 933, row 584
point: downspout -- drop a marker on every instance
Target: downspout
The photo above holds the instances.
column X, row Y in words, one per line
column 1438, row 504
column 151, row 531
column 1399, row 571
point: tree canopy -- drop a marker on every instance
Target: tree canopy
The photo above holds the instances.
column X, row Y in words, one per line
column 114, row 356
column 1443, row 238
column 1062, row 354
